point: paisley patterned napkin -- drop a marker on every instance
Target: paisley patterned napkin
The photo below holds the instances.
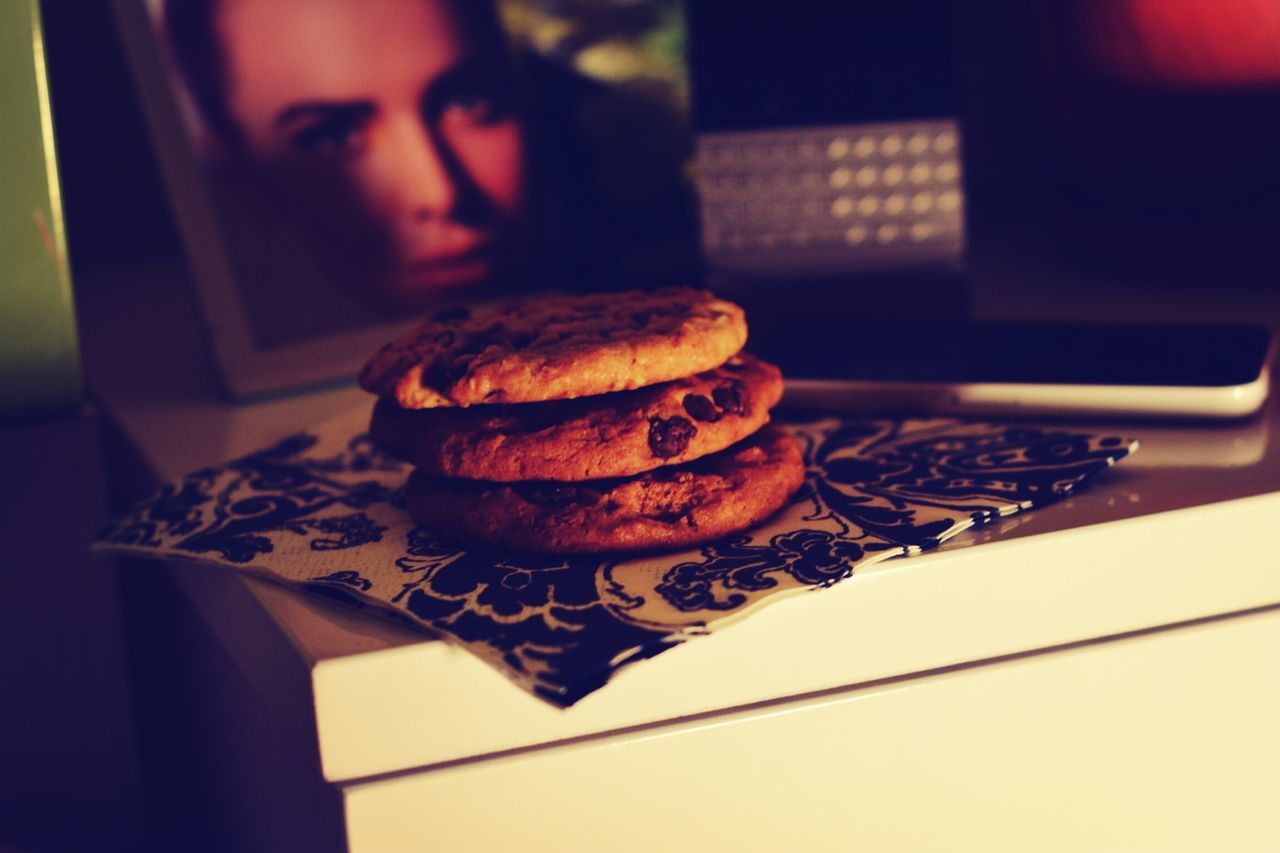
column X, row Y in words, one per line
column 323, row 510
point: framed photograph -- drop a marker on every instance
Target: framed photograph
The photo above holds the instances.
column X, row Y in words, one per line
column 339, row 169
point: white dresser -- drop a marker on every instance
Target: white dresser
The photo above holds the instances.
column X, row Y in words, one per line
column 1101, row 674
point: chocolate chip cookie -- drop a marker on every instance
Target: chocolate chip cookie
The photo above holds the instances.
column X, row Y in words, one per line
column 612, row 435
column 670, row 507
column 556, row 348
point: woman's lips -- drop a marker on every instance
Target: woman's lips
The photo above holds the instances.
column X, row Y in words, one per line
column 448, row 270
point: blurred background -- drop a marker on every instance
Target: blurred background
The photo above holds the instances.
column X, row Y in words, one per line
column 1138, row 133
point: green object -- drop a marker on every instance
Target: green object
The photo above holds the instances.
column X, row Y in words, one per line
column 39, row 364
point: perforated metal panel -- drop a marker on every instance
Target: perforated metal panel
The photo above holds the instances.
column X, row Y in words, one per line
column 853, row 198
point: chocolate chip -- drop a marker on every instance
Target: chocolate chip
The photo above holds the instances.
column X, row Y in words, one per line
column 445, row 372
column 452, row 315
column 701, row 408
column 477, row 344
column 731, row 397
column 641, row 319
column 521, row 339
column 671, row 515
column 670, row 436
column 559, row 496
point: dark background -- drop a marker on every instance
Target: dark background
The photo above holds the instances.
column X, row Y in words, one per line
column 1174, row 184
column 117, row 211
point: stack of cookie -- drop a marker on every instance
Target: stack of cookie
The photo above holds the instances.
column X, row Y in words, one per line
column 573, row 424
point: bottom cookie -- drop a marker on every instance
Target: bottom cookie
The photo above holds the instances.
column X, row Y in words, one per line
column 666, row 508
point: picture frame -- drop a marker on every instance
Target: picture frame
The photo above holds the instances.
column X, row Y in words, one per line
column 248, row 366
column 596, row 194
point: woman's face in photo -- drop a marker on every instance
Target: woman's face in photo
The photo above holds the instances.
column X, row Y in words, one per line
column 391, row 131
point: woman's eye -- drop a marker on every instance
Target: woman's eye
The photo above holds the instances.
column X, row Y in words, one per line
column 331, row 139
column 472, row 106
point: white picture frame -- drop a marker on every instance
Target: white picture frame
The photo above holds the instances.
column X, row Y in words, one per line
column 602, row 198
column 248, row 366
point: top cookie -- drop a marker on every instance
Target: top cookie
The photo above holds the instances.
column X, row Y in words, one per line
column 556, row 348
